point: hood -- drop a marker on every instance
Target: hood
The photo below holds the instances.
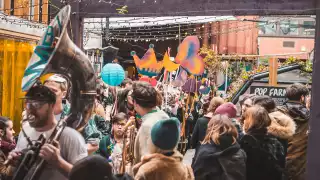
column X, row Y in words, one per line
column 282, row 126
column 213, row 150
column 297, row 111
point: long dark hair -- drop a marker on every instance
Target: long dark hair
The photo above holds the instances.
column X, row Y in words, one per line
column 122, row 100
column 4, row 124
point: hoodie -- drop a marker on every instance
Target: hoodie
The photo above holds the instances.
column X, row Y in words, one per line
column 161, row 167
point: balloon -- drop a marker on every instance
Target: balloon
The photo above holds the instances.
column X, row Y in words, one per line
column 112, row 74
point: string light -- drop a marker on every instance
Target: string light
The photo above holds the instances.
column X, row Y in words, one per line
column 166, row 32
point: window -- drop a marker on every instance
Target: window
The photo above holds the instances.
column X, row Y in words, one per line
column 289, row 27
column 288, row 44
column 309, row 28
column 268, row 28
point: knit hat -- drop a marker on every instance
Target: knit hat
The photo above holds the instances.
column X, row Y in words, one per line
column 228, row 109
column 92, row 167
column 165, row 133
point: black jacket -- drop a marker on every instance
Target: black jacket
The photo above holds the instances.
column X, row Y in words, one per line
column 199, row 132
column 264, row 156
column 213, row 162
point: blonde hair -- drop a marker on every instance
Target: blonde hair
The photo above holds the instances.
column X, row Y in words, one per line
column 215, row 103
column 220, row 125
column 257, row 118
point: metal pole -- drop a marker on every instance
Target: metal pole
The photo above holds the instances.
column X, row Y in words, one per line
column 105, row 42
column 313, row 157
column 107, row 30
column 226, row 81
column 179, row 34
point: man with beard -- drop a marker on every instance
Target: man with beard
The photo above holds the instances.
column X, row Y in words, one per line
column 297, row 145
column 60, row 156
column 59, row 86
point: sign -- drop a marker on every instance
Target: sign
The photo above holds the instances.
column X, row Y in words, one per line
column 278, row 94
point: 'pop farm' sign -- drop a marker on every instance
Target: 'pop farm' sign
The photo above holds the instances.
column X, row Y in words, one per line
column 278, row 94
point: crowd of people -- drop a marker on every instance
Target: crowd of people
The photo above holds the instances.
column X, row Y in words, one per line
column 135, row 132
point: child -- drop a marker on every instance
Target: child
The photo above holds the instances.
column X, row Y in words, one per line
column 7, row 144
column 111, row 146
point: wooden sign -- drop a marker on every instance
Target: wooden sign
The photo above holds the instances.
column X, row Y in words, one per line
column 273, row 72
column 278, row 94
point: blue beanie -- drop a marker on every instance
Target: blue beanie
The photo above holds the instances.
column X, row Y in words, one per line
column 165, row 133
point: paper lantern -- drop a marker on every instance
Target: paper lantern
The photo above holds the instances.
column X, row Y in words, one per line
column 112, row 74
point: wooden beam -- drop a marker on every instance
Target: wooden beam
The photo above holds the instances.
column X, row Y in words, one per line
column 96, row 8
column 18, row 35
column 273, row 72
column 76, row 25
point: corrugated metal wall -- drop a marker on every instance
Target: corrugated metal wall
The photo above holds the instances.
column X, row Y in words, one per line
column 233, row 37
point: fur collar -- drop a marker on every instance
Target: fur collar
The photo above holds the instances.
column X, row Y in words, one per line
column 158, row 166
column 282, row 126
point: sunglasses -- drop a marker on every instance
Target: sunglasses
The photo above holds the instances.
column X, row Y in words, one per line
column 35, row 104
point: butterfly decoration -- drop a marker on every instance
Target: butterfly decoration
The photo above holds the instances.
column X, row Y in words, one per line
column 123, row 10
column 188, row 57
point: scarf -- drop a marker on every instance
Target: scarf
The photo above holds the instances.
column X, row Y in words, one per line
column 7, row 147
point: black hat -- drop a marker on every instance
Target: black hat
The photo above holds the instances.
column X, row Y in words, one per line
column 93, row 167
column 41, row 93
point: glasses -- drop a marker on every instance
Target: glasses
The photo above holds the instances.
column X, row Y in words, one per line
column 34, row 104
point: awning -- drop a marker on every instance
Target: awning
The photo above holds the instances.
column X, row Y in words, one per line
column 14, row 27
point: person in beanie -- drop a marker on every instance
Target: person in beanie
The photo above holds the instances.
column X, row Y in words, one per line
column 145, row 104
column 230, row 110
column 220, row 156
column 163, row 160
